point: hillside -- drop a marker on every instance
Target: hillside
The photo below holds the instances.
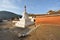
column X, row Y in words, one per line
column 8, row 15
column 48, row 20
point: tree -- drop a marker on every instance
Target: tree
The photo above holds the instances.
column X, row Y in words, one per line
column 51, row 12
column 58, row 11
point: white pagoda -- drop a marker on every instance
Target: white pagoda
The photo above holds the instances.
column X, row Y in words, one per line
column 24, row 21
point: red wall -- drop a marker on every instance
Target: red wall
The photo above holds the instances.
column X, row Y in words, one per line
column 50, row 20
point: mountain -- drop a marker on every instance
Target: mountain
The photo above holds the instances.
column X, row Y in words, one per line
column 8, row 15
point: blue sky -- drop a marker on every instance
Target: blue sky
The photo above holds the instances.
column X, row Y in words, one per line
column 33, row 6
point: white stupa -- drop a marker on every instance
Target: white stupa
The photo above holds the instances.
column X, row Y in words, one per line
column 24, row 21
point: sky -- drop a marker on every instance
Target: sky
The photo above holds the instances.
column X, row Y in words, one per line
column 32, row 6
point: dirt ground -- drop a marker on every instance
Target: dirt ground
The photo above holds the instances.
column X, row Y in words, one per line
column 45, row 32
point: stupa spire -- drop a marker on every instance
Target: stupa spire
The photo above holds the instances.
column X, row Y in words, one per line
column 25, row 8
column 25, row 15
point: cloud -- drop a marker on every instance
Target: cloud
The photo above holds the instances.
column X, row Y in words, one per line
column 8, row 4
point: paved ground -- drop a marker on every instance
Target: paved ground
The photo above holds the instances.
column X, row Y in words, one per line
column 8, row 33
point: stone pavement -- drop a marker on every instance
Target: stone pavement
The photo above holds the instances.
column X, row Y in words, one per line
column 13, row 34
